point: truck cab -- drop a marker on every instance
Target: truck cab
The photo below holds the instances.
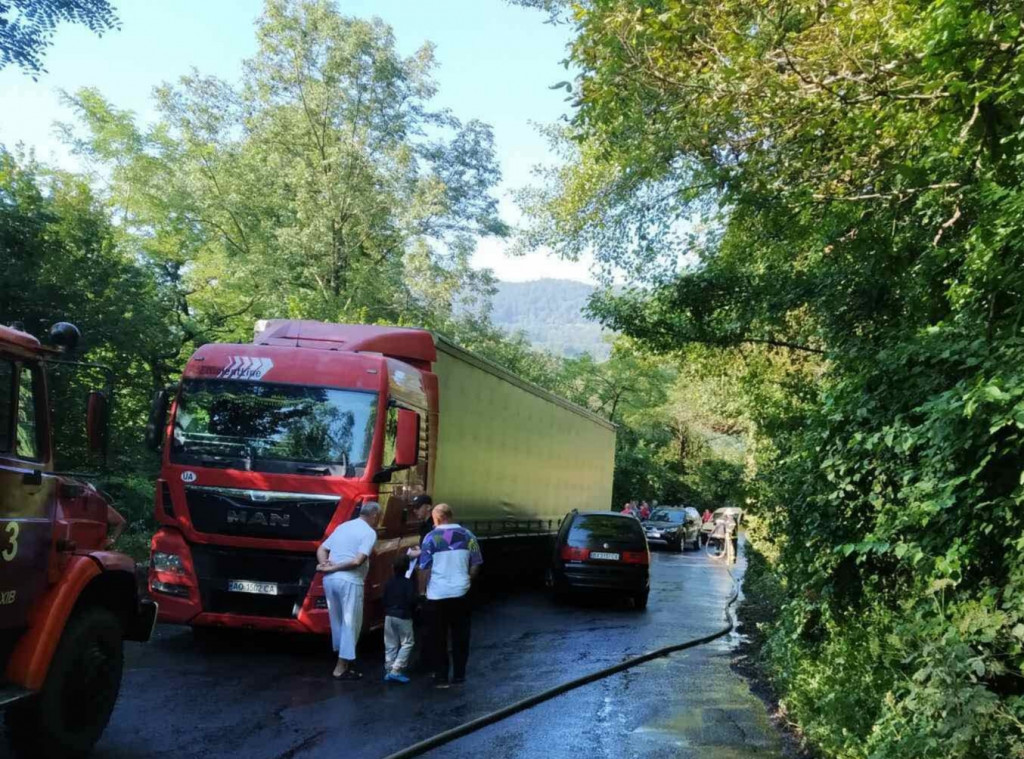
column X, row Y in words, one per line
column 66, row 600
column 266, row 448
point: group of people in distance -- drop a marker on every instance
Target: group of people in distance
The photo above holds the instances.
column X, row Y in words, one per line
column 435, row 576
column 639, row 510
column 643, row 512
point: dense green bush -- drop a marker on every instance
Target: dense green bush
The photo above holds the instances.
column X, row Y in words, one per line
column 842, row 183
column 901, row 543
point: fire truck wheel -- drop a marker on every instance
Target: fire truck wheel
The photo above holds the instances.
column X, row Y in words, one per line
column 68, row 715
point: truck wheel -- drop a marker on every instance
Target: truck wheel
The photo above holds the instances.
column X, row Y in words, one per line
column 67, row 717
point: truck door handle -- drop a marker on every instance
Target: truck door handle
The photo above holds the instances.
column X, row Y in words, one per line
column 35, row 477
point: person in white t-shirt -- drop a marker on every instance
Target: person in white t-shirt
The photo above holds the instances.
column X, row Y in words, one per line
column 344, row 558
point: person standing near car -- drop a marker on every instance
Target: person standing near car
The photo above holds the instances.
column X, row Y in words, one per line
column 344, row 559
column 449, row 561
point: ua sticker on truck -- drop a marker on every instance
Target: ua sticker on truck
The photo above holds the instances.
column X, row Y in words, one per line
column 188, row 476
column 246, row 368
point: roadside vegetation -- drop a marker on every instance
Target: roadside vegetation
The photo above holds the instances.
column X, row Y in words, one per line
column 836, row 186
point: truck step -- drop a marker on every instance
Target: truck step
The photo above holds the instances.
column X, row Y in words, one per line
column 11, row 693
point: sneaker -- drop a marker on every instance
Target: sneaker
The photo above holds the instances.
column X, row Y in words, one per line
column 397, row 677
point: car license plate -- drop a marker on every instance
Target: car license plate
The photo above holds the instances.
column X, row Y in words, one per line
column 605, row 556
column 654, row 534
column 248, row 586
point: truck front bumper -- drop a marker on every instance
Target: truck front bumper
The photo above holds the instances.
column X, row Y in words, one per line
column 198, row 589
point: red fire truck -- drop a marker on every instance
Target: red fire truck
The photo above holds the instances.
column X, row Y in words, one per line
column 268, row 446
column 66, row 600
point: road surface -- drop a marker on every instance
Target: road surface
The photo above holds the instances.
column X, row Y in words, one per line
column 263, row 696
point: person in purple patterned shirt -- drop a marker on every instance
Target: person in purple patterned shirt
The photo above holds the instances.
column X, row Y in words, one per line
column 449, row 561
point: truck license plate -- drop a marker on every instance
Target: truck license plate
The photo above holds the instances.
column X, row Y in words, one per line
column 607, row 556
column 249, row 586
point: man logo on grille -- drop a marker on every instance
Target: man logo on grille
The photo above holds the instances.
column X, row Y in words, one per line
column 257, row 518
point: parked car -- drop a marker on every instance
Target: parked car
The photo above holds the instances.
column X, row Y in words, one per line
column 732, row 512
column 675, row 526
column 601, row 551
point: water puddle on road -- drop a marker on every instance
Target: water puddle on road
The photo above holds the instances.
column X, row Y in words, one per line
column 713, row 715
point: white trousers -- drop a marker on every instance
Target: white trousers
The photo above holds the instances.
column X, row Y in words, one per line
column 398, row 643
column 345, row 608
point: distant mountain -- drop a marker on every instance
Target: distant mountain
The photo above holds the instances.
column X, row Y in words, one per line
column 550, row 312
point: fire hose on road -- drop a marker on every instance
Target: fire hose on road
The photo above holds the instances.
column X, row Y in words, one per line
column 498, row 715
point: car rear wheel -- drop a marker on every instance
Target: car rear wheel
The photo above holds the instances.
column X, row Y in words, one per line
column 67, row 717
column 640, row 600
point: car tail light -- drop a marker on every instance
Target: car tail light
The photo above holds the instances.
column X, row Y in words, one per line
column 574, row 553
column 636, row 557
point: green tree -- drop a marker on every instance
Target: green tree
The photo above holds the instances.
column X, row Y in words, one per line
column 323, row 185
column 837, row 185
column 27, row 26
column 63, row 260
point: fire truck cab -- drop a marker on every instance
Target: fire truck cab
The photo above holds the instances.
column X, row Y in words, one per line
column 66, row 601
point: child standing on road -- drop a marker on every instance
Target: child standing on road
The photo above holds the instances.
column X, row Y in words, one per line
column 399, row 603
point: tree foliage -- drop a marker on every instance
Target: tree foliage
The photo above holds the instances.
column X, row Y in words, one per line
column 27, row 26
column 63, row 260
column 322, row 185
column 837, row 184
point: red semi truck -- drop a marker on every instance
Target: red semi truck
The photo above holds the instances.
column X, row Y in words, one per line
column 66, row 600
column 268, row 446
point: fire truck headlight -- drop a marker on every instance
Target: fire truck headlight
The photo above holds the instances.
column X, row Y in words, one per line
column 168, row 562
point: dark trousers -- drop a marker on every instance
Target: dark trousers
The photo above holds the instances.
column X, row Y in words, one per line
column 449, row 617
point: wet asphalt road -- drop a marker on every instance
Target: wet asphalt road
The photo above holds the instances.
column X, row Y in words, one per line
column 269, row 696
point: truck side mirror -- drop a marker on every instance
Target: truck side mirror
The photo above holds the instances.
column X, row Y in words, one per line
column 96, row 422
column 157, row 420
column 407, row 439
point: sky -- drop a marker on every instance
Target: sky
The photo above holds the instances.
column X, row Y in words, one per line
column 496, row 64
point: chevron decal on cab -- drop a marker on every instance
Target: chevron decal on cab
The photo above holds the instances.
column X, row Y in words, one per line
column 246, row 368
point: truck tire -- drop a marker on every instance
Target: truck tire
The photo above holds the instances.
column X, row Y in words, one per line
column 66, row 718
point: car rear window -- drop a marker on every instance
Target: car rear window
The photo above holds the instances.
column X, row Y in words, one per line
column 594, row 528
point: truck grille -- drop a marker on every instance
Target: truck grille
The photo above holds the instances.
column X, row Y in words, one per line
column 292, row 572
column 260, row 513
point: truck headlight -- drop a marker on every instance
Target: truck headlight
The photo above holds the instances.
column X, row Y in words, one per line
column 170, row 589
column 168, row 562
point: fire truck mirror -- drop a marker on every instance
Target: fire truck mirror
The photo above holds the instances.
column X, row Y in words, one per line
column 407, row 442
column 157, row 420
column 96, row 422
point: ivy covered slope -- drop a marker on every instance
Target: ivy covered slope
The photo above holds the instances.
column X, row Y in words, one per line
column 845, row 179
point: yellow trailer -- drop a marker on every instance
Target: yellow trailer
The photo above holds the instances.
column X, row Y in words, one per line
column 512, row 457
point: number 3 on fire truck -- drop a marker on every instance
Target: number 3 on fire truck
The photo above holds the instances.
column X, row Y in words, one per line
column 8, row 554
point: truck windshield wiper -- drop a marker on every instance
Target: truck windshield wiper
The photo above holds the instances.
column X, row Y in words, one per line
column 219, row 460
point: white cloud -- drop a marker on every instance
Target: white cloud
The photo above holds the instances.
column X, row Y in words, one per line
column 491, row 254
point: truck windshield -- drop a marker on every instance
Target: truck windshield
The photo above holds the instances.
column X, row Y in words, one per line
column 273, row 427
